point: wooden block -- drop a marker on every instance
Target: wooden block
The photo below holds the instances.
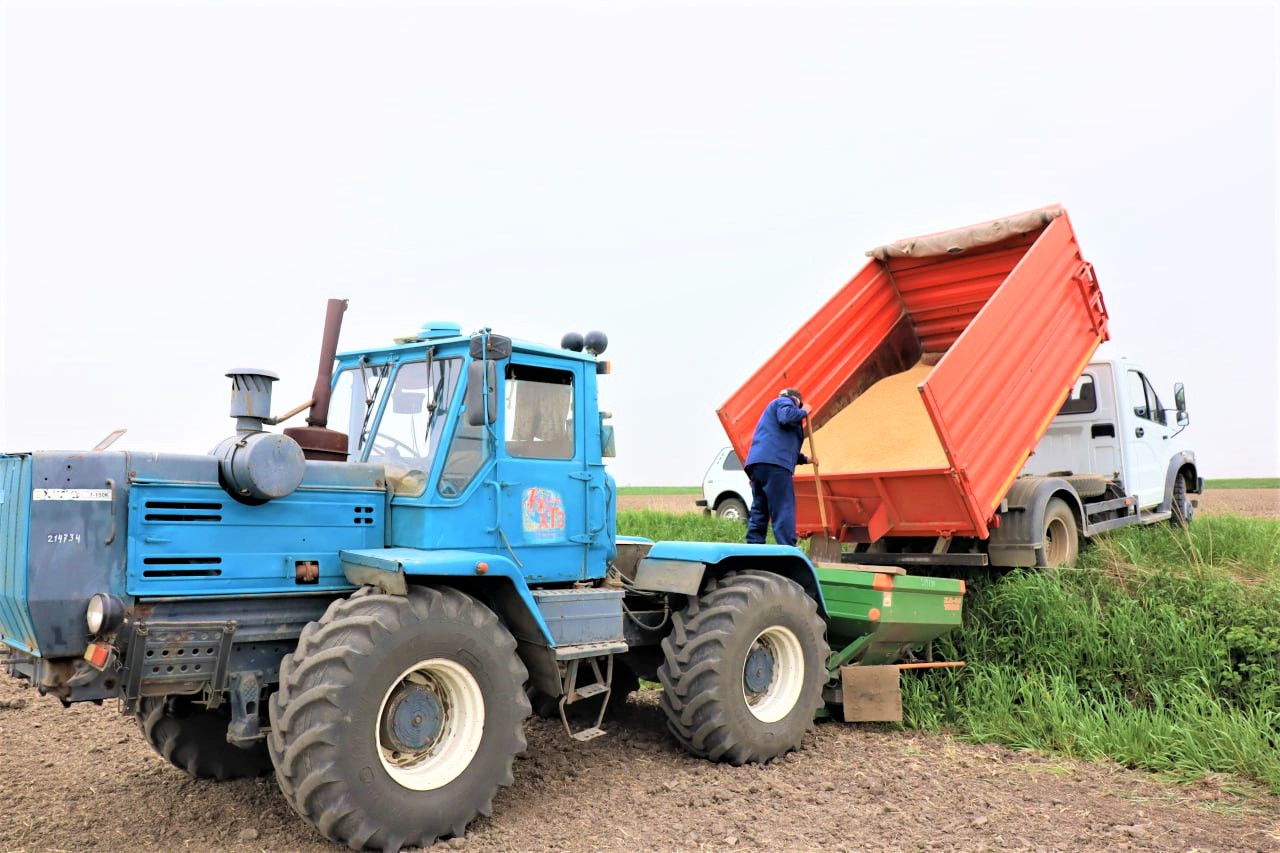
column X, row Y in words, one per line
column 871, row 694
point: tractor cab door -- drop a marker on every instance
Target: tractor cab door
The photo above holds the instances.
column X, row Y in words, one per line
column 543, row 482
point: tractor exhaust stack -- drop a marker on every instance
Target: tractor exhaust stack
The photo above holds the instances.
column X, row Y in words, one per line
column 317, row 440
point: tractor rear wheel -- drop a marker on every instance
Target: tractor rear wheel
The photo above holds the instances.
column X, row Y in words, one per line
column 743, row 668
column 398, row 717
column 193, row 738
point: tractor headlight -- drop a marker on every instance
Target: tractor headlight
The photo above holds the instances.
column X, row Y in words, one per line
column 104, row 612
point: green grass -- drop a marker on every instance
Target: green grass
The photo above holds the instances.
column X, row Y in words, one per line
column 659, row 490
column 680, row 527
column 1161, row 651
column 1244, row 483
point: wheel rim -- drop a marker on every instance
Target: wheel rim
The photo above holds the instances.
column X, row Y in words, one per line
column 731, row 512
column 773, row 674
column 430, row 724
column 1056, row 542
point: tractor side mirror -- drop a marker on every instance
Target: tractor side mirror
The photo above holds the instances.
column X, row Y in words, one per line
column 482, row 378
column 607, row 449
column 1180, row 396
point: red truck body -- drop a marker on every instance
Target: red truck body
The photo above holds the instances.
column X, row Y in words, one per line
column 1016, row 314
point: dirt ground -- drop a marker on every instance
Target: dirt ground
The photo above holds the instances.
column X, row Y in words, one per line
column 83, row 779
column 1260, row 503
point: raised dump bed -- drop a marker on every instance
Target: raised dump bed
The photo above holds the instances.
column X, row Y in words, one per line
column 932, row 375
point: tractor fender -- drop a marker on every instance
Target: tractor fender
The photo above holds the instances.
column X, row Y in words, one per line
column 683, row 566
column 1019, row 538
column 392, row 569
column 1180, row 460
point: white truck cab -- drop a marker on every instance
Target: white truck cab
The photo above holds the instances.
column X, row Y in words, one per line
column 1115, row 425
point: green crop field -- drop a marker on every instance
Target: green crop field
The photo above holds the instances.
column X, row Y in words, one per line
column 1244, row 483
column 1161, row 651
column 659, row 490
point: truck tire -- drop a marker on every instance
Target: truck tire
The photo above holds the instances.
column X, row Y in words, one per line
column 732, row 508
column 1061, row 535
column 193, row 738
column 743, row 668
column 625, row 682
column 1181, row 506
column 398, row 717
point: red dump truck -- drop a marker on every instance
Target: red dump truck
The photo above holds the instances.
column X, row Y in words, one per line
column 1000, row 323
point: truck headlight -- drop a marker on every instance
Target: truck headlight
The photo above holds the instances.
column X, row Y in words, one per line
column 104, row 612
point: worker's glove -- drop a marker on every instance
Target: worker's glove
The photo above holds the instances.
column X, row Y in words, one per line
column 801, row 459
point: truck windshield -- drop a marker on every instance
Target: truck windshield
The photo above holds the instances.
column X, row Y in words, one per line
column 414, row 419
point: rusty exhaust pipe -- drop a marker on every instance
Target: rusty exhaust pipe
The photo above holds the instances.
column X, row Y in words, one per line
column 316, row 439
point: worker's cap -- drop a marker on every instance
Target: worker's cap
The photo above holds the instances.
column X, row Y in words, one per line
column 792, row 393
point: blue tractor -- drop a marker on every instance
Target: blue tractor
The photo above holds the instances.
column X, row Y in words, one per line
column 371, row 610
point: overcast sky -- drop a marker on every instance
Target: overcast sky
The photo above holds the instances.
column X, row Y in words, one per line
column 186, row 185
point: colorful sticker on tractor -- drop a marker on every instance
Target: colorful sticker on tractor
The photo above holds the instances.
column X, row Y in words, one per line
column 543, row 513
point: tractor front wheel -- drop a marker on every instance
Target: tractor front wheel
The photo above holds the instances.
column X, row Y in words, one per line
column 193, row 738
column 398, row 718
column 743, row 668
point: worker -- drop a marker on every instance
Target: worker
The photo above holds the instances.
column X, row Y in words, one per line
column 771, row 463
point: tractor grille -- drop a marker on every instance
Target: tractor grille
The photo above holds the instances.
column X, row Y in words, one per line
column 16, row 629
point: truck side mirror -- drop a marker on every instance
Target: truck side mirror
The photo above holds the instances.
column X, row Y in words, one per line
column 1180, row 396
column 481, row 375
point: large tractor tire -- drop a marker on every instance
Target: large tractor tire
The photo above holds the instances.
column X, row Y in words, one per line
column 743, row 668
column 1061, row 535
column 193, row 738
column 398, row 718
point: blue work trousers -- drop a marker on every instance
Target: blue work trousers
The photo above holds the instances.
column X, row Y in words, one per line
column 772, row 497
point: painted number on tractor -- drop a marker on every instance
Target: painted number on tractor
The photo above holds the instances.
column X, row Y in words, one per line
column 63, row 538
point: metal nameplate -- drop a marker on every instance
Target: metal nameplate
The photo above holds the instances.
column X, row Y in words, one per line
column 70, row 494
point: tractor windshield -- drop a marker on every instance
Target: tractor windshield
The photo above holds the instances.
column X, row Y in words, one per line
column 414, row 420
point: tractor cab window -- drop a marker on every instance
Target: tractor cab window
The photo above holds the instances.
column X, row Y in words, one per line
column 413, row 423
column 539, row 412
column 356, row 392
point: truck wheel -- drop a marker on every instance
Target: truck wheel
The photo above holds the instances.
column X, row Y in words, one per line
column 1183, row 509
column 1061, row 535
column 398, row 717
column 743, row 669
column 193, row 738
column 732, row 508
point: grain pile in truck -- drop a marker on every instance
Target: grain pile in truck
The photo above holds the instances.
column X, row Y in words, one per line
column 884, row 428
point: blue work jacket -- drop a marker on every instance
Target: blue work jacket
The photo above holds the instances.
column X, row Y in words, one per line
column 778, row 435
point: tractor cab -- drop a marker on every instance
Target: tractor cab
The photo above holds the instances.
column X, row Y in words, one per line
column 489, row 445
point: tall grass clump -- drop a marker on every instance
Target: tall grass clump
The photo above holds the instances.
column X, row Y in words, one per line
column 1160, row 651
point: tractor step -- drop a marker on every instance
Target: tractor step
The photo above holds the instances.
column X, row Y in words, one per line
column 572, row 693
column 589, row 691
